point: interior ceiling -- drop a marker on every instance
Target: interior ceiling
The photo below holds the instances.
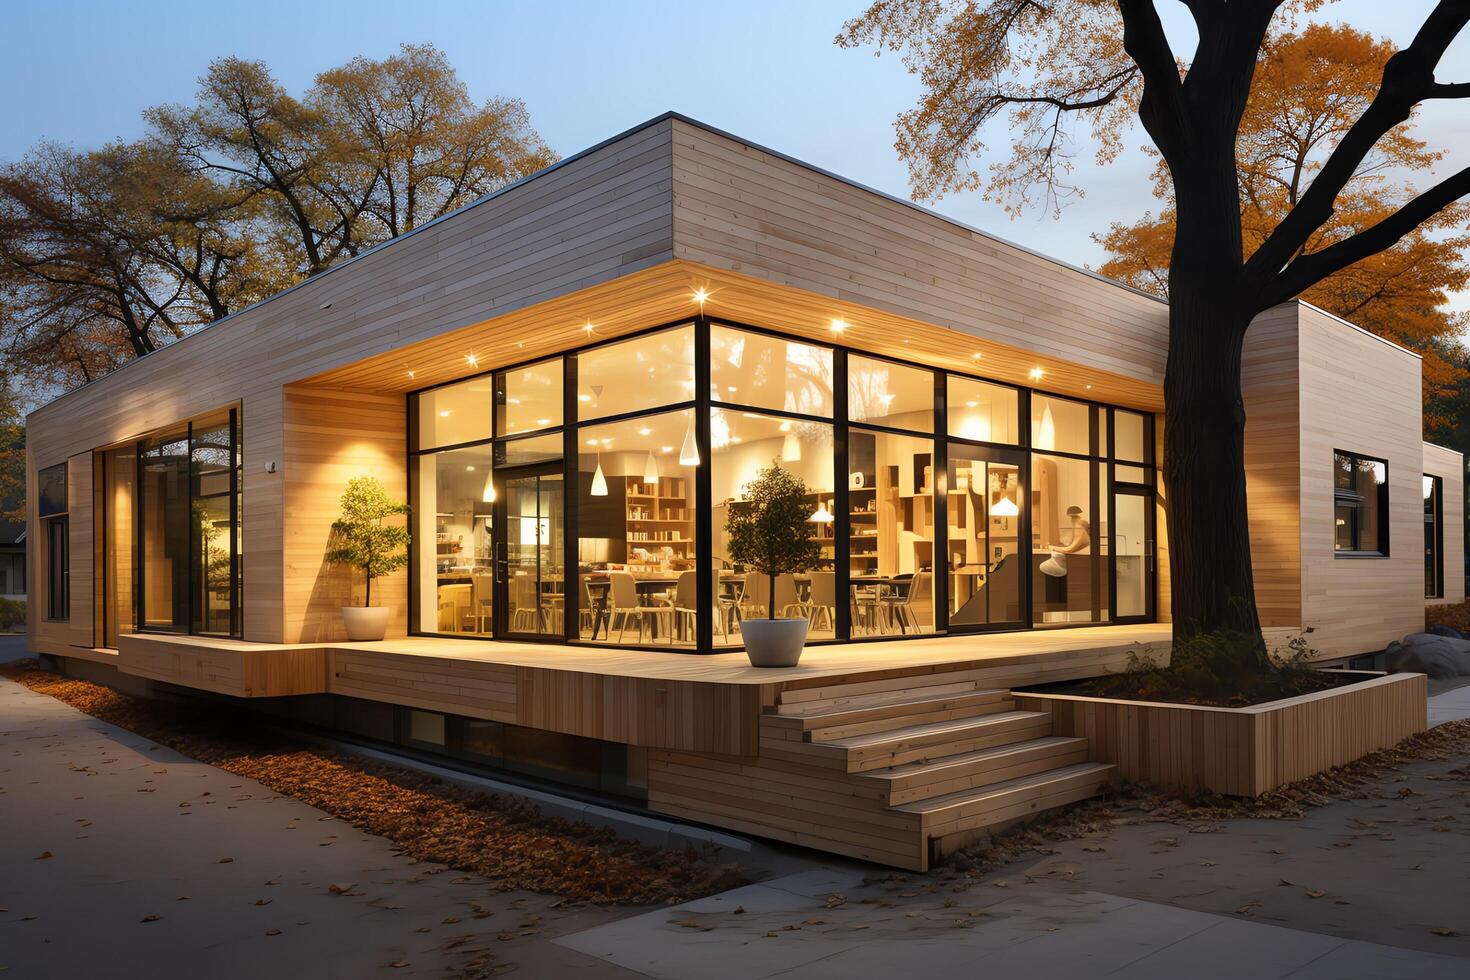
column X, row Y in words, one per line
column 666, row 293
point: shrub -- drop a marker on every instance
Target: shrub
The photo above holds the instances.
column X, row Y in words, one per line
column 1220, row 668
column 12, row 613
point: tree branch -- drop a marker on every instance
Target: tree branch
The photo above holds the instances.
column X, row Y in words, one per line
column 1408, row 78
column 1311, row 268
column 1162, row 107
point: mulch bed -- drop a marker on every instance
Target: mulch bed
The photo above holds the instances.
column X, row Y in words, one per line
column 1140, row 804
column 500, row 837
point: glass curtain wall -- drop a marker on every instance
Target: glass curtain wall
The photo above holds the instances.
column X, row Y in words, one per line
column 188, row 520
column 119, row 513
column 1039, row 507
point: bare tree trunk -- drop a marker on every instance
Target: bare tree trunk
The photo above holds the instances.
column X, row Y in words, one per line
column 1204, row 461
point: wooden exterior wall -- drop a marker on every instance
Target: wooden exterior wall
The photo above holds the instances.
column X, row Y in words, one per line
column 1362, row 394
column 1449, row 466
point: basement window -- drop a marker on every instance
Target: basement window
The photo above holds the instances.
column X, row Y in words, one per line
column 1360, row 505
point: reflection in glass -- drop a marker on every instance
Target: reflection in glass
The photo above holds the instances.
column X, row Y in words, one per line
column 1060, row 425
column 216, row 528
column 632, row 375
column 1360, row 504
column 985, row 510
column 1129, row 434
column 1130, row 536
column 119, row 503
column 1433, row 538
column 1066, row 579
column 533, row 449
column 456, row 495
column 535, row 546
column 636, row 544
column 166, row 531
column 456, row 413
column 741, row 445
column 983, row 412
column 769, row 372
column 885, row 393
column 891, row 543
column 529, row 398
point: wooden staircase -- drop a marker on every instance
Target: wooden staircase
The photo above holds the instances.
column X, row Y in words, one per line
column 937, row 759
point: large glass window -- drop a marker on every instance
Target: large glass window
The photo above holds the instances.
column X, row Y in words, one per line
column 1433, row 537
column 763, row 371
column 632, row 375
column 985, row 505
column 52, row 507
column 529, row 398
column 1130, row 437
column 891, row 539
column 189, row 538
column 1067, row 580
column 636, row 545
column 983, row 412
column 165, row 531
column 741, row 445
column 1060, row 425
column 454, row 530
column 1360, row 505
column 456, row 414
column 119, row 505
column 885, row 393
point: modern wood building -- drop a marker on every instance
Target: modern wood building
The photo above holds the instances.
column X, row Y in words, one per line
column 572, row 380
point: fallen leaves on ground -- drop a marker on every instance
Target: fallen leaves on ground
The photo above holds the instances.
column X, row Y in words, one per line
column 500, row 837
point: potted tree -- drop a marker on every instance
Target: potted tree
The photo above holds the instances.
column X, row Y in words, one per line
column 771, row 533
column 362, row 541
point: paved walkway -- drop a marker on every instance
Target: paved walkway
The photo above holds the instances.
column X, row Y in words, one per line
column 121, row 858
column 1450, row 705
column 790, row 927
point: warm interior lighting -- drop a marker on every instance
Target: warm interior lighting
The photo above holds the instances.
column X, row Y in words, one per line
column 599, row 482
column 472, row 360
column 410, row 375
column 790, row 448
column 645, row 431
column 839, row 325
column 1047, row 437
column 1037, row 374
column 666, row 449
column 821, row 515
column 650, row 470
column 488, row 494
column 1004, row 506
column 543, row 421
column 584, row 398
column 689, row 451
column 444, row 414
column 700, row 295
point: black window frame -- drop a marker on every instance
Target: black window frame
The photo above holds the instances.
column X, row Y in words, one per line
column 52, row 506
column 1342, row 497
column 1434, row 538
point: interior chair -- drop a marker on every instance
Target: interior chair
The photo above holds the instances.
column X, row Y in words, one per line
column 913, row 606
column 821, row 604
column 623, row 604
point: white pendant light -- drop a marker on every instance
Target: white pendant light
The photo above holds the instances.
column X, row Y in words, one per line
column 1004, row 507
column 689, row 452
column 488, row 495
column 821, row 515
column 1047, row 437
column 790, row 449
column 599, row 482
column 650, row 470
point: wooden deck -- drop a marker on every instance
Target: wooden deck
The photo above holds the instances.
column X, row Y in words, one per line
column 890, row 751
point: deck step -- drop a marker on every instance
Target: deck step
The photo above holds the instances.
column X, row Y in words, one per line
column 853, row 696
column 920, row 743
column 975, row 770
column 953, row 815
column 819, row 726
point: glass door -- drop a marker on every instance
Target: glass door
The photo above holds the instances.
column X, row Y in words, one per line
column 1133, row 555
column 530, row 574
column 988, row 547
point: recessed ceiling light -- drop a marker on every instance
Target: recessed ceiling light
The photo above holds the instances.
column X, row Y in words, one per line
column 972, row 404
column 734, row 438
column 977, row 355
column 666, row 449
column 410, row 375
column 469, row 469
column 1089, row 387
column 584, row 398
column 444, row 414
column 645, row 431
column 1037, row 374
column 588, row 327
column 591, row 442
column 839, row 325
column 700, row 295
column 731, row 389
column 543, row 421
column 473, row 360
column 513, row 401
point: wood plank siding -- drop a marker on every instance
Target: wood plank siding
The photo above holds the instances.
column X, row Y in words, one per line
column 1449, row 466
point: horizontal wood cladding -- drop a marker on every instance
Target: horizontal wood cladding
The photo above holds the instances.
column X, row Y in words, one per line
column 1240, row 751
column 241, row 670
column 76, row 634
column 1449, row 466
column 331, row 437
column 740, row 208
column 1270, row 378
column 1360, row 394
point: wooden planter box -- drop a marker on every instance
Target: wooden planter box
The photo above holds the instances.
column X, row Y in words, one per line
column 1240, row 751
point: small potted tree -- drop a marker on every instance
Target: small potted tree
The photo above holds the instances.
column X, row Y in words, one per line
column 363, row 542
column 771, row 533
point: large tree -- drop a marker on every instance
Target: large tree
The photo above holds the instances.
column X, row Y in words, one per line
column 1310, row 87
column 108, row 254
column 1040, row 66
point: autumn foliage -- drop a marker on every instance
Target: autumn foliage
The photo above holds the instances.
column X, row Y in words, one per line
column 1309, row 88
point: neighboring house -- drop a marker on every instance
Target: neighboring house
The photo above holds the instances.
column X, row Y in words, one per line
column 12, row 560
column 572, row 379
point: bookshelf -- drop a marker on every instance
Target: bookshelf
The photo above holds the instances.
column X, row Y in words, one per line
column 658, row 515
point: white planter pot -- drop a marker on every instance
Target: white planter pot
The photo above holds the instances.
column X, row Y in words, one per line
column 774, row 642
column 366, row 622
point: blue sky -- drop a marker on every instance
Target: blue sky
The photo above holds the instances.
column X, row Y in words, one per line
column 81, row 72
